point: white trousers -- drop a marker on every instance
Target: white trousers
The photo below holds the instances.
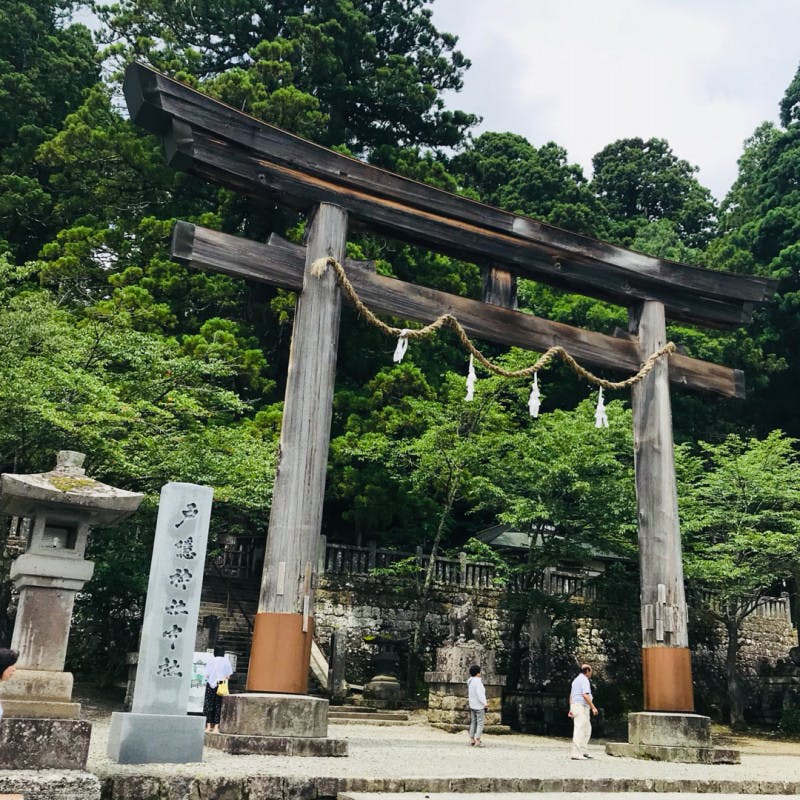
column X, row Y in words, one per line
column 582, row 729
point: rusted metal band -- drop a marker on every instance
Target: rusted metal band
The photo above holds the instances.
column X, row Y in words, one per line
column 280, row 653
column 667, row 679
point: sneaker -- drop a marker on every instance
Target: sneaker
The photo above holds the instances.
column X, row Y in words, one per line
column 586, row 755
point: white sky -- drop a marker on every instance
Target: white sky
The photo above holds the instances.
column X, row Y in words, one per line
column 702, row 74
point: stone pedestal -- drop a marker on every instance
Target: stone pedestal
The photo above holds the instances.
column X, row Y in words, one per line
column 448, row 701
column 44, row 743
column 39, row 693
column 275, row 724
column 155, row 738
column 665, row 736
column 383, row 691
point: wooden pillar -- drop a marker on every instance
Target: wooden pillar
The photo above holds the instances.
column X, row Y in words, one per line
column 666, row 660
column 284, row 625
column 499, row 287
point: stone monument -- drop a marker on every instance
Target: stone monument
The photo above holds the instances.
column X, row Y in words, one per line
column 158, row 729
column 41, row 729
column 448, row 704
column 383, row 690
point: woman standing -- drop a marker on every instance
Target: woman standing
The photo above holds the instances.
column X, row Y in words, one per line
column 218, row 669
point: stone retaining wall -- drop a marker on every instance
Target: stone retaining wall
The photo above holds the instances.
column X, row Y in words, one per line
column 366, row 606
column 361, row 606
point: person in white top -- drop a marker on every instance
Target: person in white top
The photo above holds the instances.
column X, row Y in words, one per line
column 477, row 705
column 217, row 669
column 581, row 704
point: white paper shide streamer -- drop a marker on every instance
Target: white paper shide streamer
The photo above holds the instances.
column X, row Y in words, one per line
column 402, row 346
column 535, row 400
column 600, row 416
column 471, row 380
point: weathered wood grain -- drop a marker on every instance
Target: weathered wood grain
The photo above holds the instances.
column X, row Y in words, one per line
column 280, row 263
column 499, row 287
column 664, row 614
column 296, row 513
column 452, row 224
column 218, row 162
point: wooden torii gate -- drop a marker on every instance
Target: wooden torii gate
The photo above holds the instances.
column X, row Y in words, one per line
column 229, row 148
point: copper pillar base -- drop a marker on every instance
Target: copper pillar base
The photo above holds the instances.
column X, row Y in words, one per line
column 667, row 679
column 280, row 654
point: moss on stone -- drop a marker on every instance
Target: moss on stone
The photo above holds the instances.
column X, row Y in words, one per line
column 66, row 483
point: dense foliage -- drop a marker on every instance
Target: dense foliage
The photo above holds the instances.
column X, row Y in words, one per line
column 162, row 373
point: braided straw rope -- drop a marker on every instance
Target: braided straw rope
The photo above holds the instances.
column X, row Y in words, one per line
column 319, row 267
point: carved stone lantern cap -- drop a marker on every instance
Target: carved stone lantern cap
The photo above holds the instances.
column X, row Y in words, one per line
column 66, row 488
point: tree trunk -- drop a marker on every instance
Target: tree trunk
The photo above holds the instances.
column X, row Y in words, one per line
column 734, row 691
column 429, row 573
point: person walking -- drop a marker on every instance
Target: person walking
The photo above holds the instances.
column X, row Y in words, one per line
column 477, row 705
column 581, row 705
column 218, row 669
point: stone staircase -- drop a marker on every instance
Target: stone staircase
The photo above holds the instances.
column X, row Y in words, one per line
column 234, row 601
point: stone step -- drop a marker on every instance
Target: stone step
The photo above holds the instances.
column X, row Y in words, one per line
column 370, row 721
column 395, row 716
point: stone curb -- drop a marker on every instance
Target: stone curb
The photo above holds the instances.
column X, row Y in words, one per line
column 266, row 787
column 50, row 785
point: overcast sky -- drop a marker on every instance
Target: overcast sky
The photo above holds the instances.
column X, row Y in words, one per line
column 702, row 74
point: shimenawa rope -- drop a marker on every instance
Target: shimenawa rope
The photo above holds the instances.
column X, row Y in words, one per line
column 319, row 267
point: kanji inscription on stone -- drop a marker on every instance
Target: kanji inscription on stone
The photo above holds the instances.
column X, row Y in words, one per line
column 173, row 599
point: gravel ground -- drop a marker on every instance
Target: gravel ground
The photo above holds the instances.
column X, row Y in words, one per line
column 419, row 751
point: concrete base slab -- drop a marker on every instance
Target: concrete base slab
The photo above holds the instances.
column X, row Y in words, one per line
column 669, row 728
column 155, row 738
column 274, row 715
column 683, row 755
column 276, row 745
column 44, row 743
column 672, row 736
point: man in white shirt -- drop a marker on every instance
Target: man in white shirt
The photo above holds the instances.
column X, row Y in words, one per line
column 581, row 705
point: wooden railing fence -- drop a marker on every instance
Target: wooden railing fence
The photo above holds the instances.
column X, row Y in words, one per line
column 241, row 557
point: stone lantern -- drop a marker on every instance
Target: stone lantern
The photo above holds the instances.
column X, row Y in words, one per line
column 62, row 505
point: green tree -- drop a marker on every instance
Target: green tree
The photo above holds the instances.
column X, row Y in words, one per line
column 759, row 233
column 146, row 411
column 739, row 501
column 360, row 74
column 570, row 485
column 45, row 66
column 644, row 181
column 505, row 170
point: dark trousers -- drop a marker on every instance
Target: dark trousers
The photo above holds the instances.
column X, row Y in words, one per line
column 212, row 705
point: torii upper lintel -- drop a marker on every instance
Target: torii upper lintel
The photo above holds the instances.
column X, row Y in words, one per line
column 228, row 147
